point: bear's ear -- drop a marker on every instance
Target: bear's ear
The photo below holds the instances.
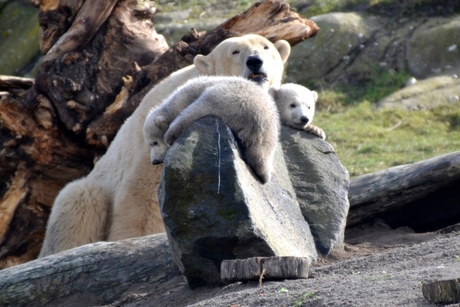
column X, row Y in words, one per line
column 273, row 91
column 204, row 64
column 160, row 121
column 284, row 49
column 315, row 95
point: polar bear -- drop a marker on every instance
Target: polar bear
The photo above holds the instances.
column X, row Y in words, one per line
column 244, row 106
column 296, row 106
column 118, row 198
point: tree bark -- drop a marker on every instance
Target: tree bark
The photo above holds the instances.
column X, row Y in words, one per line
column 419, row 195
column 101, row 58
column 96, row 274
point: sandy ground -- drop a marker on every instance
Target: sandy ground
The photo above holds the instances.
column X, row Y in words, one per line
column 378, row 267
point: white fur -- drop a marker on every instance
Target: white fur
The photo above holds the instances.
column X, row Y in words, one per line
column 244, row 106
column 296, row 105
column 119, row 194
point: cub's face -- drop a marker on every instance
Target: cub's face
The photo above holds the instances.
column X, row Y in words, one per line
column 154, row 130
column 296, row 104
column 252, row 56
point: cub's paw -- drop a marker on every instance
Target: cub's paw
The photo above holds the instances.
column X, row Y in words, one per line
column 170, row 137
column 316, row 131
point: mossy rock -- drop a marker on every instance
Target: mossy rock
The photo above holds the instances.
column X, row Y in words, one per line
column 340, row 34
column 434, row 48
column 19, row 33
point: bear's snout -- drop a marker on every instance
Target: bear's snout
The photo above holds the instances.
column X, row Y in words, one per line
column 304, row 119
column 254, row 63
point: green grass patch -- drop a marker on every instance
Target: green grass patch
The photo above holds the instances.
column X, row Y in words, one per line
column 369, row 140
column 374, row 85
column 305, row 297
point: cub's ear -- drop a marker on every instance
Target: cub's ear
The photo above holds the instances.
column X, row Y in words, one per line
column 160, row 121
column 284, row 49
column 273, row 91
column 204, row 64
column 315, row 95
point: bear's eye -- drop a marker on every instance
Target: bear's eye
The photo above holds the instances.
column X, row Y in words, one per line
column 155, row 143
column 308, row 107
column 266, row 47
column 236, row 52
column 292, row 105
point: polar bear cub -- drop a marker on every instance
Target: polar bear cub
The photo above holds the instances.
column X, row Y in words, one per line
column 160, row 117
column 244, row 106
column 296, row 106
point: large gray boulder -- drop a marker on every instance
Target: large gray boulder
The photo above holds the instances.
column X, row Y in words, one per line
column 321, row 184
column 434, row 47
column 215, row 209
column 351, row 46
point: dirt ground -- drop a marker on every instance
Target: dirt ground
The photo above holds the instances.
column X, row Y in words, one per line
column 379, row 266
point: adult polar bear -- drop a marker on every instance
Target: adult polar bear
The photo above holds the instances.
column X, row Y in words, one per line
column 118, row 198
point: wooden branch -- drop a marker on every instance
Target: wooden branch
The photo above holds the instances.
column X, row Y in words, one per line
column 89, row 19
column 376, row 193
column 11, row 82
column 274, row 20
column 102, row 271
column 16, row 193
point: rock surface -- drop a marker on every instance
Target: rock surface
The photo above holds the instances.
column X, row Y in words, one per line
column 215, row 209
column 321, row 184
column 351, row 46
column 425, row 94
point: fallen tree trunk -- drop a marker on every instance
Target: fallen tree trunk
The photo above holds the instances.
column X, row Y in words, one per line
column 97, row 68
column 92, row 274
column 422, row 195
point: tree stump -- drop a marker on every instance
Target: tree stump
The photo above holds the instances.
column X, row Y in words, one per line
column 442, row 291
column 264, row 268
column 101, row 58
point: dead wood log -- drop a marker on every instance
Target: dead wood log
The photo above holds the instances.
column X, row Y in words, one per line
column 97, row 68
column 442, row 291
column 422, row 195
column 98, row 273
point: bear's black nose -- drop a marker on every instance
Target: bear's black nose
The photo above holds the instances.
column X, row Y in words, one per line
column 304, row 119
column 254, row 63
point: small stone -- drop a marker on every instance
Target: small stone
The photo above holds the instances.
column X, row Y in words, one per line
column 452, row 48
column 411, row 81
